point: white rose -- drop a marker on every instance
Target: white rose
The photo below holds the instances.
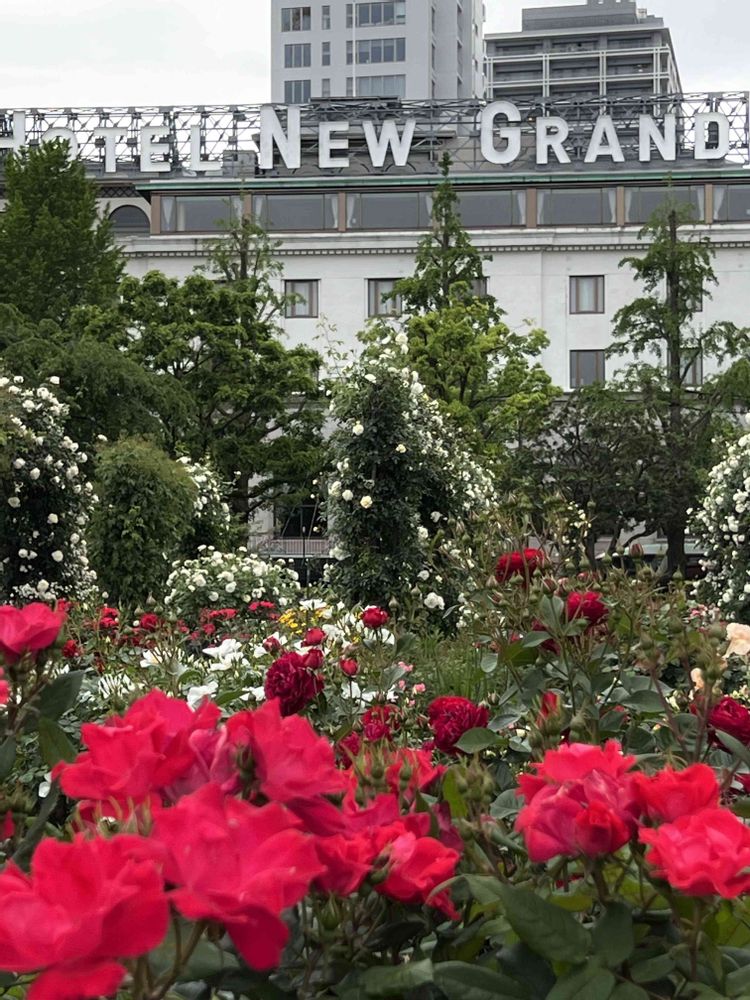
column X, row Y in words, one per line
column 358, row 429
column 366, row 502
column 434, row 602
column 347, row 495
column 52, row 519
column 57, row 555
column 34, row 474
column 213, row 596
column 14, row 502
column 401, row 449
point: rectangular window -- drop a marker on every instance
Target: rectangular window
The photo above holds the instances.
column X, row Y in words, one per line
column 479, row 287
column 325, row 58
column 691, row 371
column 586, row 368
column 296, row 212
column 397, row 210
column 732, row 203
column 587, row 294
column 377, row 288
column 377, row 50
column 325, row 87
column 303, row 299
column 371, row 15
column 577, row 206
column 377, row 86
column 296, row 91
column 325, row 17
column 483, row 210
column 295, row 19
column 642, row 202
column 297, row 56
column 205, row 214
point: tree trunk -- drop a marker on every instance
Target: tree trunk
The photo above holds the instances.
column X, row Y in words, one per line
column 676, row 550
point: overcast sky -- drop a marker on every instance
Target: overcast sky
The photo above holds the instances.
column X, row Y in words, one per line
column 100, row 52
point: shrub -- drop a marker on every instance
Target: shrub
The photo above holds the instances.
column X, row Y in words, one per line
column 145, row 512
column 44, row 498
column 211, row 521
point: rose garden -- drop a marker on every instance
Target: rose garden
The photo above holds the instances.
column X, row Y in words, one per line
column 490, row 750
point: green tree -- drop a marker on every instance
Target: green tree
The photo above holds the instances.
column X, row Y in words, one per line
column 56, row 252
column 660, row 330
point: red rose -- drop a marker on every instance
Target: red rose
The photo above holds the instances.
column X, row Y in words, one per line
column 4, row 689
column 314, row 637
column 551, row 706
column 374, row 618
column 380, row 722
column 589, row 606
column 670, row 794
column 416, row 866
column 271, row 644
column 222, row 614
column 551, row 645
column 347, row 860
column 410, row 771
column 704, row 854
column 521, row 563
column 450, row 717
column 85, row 906
column 109, row 618
column 732, row 718
column 292, row 681
column 238, row 864
column 27, row 630
column 349, row 666
column 348, row 748
column 149, row 622
column 140, row 754
column 71, row 650
column 599, row 830
column 313, row 658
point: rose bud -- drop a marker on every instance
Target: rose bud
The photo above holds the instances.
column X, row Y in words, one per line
column 349, row 667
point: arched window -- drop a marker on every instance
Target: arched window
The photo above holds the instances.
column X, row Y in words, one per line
column 129, row 220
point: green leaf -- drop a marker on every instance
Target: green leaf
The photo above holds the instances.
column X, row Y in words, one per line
column 60, row 695
column 477, row 740
column 506, row 804
column 456, row 802
column 534, row 639
column 738, row 982
column 54, row 745
column 649, row 702
column 740, row 751
column 629, row 991
column 207, row 960
column 590, row 983
column 652, row 969
column 398, row 980
column 613, row 935
column 461, row 981
column 546, row 929
column 7, row 757
column 483, row 889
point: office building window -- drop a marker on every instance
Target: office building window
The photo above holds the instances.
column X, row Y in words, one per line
column 377, row 305
column 691, row 369
column 377, row 50
column 397, row 210
column 577, row 206
column 302, row 299
column 484, row 210
column 479, row 287
column 587, row 294
column 295, row 19
column 586, row 368
column 377, row 86
column 732, row 203
column 129, row 220
column 325, row 58
column 297, row 56
column 642, row 202
column 205, row 214
column 325, row 87
column 372, row 15
column 325, row 17
column 296, row 212
column 296, row 91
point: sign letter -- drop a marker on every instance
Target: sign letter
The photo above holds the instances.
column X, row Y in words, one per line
column 604, row 142
column 551, row 134
column 711, row 136
column 152, row 144
column 18, row 138
column 111, row 134
column 512, row 136
column 328, row 144
column 666, row 142
column 400, row 145
column 199, row 165
column 272, row 133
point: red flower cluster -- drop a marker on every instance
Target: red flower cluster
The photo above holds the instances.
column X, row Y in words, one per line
column 380, row 722
column 109, row 619
column 732, row 718
column 27, row 630
column 149, row 622
column 264, row 609
column 450, row 717
column 588, row 606
column 523, row 563
column 374, row 617
column 292, row 679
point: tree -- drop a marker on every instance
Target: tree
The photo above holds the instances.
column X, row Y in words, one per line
column 683, row 417
column 56, row 253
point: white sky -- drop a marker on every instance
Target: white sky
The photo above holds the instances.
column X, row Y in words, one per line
column 91, row 53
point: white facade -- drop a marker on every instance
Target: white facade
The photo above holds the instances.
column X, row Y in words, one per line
column 408, row 49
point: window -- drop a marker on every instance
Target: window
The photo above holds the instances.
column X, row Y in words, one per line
column 303, row 299
column 205, row 214
column 577, row 206
column 587, row 294
column 296, row 91
column 642, row 202
column 296, row 56
column 377, row 50
column 296, row 211
column 375, row 14
column 129, row 220
column 732, row 203
column 397, row 210
column 325, row 58
column 295, row 19
column 325, row 87
column 377, row 288
column 325, row 17
column 482, row 210
column 377, row 86
column 586, row 368
column 691, row 370
column 479, row 287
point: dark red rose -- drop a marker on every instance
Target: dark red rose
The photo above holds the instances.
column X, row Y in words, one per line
column 313, row 658
column 222, row 614
column 551, row 645
column 599, row 830
column 348, row 748
column 293, row 682
column 374, row 617
column 350, row 667
column 71, row 650
column 149, row 622
column 732, row 718
column 450, row 717
column 109, row 618
column 589, row 606
column 314, row 637
column 271, row 644
column 524, row 562
column 380, row 722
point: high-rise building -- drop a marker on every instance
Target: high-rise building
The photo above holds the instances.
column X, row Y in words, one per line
column 603, row 48
column 409, row 49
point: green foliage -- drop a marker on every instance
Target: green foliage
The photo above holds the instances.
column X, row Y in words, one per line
column 146, row 503
column 56, row 253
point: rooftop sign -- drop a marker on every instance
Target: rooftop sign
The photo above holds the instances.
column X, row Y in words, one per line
column 390, row 136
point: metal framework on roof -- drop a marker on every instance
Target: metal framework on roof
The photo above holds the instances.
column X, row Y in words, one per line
column 229, row 134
